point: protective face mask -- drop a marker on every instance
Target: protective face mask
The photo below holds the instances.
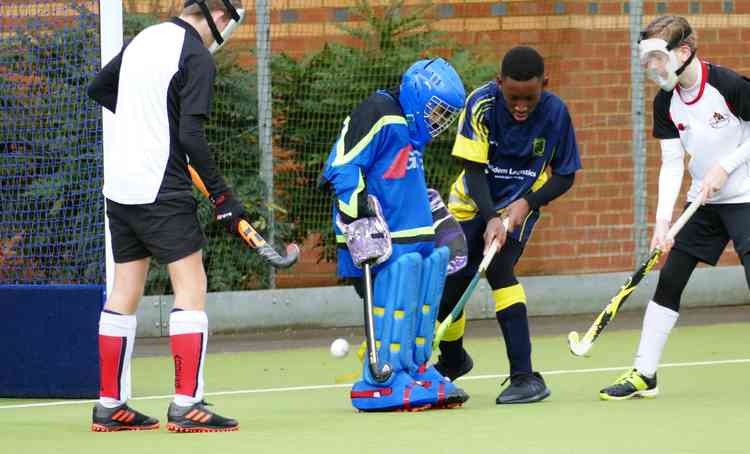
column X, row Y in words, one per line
column 228, row 30
column 661, row 63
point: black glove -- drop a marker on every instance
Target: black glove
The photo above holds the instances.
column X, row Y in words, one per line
column 229, row 211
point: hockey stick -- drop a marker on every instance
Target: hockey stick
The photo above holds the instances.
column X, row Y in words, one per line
column 581, row 346
column 252, row 237
column 380, row 375
column 440, row 332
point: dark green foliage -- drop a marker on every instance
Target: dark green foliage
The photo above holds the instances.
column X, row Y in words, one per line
column 232, row 135
column 312, row 96
column 51, row 221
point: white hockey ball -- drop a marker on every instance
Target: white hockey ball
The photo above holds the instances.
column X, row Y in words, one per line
column 339, row 348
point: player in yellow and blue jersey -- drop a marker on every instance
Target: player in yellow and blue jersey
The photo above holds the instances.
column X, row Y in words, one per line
column 519, row 152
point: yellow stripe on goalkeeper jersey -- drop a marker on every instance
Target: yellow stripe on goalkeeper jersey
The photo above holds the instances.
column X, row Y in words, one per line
column 350, row 208
column 508, row 296
column 344, row 156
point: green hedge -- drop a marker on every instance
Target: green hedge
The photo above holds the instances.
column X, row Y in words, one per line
column 313, row 95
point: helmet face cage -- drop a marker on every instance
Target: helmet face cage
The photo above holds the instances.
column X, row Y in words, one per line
column 438, row 115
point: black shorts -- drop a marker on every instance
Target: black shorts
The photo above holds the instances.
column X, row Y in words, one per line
column 168, row 230
column 706, row 234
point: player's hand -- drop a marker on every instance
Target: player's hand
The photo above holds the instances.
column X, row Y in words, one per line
column 713, row 181
column 495, row 231
column 229, row 211
column 517, row 213
column 660, row 239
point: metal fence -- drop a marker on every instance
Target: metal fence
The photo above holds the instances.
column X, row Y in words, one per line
column 312, row 61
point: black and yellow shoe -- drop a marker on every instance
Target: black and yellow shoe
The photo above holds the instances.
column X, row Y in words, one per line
column 197, row 418
column 120, row 418
column 630, row 384
column 524, row 389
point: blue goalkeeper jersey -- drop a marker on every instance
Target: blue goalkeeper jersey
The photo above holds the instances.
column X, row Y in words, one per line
column 373, row 155
column 518, row 155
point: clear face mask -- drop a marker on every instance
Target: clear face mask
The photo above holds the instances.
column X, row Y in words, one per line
column 660, row 62
column 228, row 30
column 660, row 68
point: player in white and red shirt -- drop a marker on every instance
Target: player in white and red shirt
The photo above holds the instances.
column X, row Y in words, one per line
column 703, row 109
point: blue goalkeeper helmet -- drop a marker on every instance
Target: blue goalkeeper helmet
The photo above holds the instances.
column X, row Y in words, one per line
column 431, row 97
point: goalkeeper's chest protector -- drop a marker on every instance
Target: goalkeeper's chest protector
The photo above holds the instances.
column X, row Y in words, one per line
column 373, row 154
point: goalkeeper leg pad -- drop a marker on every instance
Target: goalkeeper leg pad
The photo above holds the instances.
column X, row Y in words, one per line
column 444, row 392
column 395, row 301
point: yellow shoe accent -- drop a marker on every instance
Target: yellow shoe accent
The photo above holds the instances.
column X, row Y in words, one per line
column 629, row 385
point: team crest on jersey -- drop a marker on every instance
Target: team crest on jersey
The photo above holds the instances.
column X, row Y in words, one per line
column 538, row 147
column 718, row 120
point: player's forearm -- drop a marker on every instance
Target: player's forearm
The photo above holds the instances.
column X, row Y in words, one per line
column 670, row 177
column 479, row 190
column 556, row 186
column 193, row 140
column 736, row 158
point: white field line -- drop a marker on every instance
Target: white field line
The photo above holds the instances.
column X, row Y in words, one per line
column 346, row 385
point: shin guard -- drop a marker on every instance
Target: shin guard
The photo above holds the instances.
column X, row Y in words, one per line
column 442, row 391
column 395, row 300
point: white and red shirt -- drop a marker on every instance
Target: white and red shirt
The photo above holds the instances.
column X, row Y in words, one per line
column 712, row 121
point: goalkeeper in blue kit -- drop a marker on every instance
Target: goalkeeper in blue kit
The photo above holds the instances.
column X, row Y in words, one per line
column 383, row 215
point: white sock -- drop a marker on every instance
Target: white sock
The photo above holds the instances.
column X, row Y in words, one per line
column 188, row 332
column 116, row 340
column 657, row 324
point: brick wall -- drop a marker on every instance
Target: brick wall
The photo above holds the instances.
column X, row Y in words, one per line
column 588, row 59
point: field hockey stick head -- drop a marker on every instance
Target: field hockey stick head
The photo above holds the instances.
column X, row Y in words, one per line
column 253, row 238
column 277, row 260
column 380, row 374
column 578, row 346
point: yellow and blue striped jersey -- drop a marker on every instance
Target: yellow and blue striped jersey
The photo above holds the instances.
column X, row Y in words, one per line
column 517, row 154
